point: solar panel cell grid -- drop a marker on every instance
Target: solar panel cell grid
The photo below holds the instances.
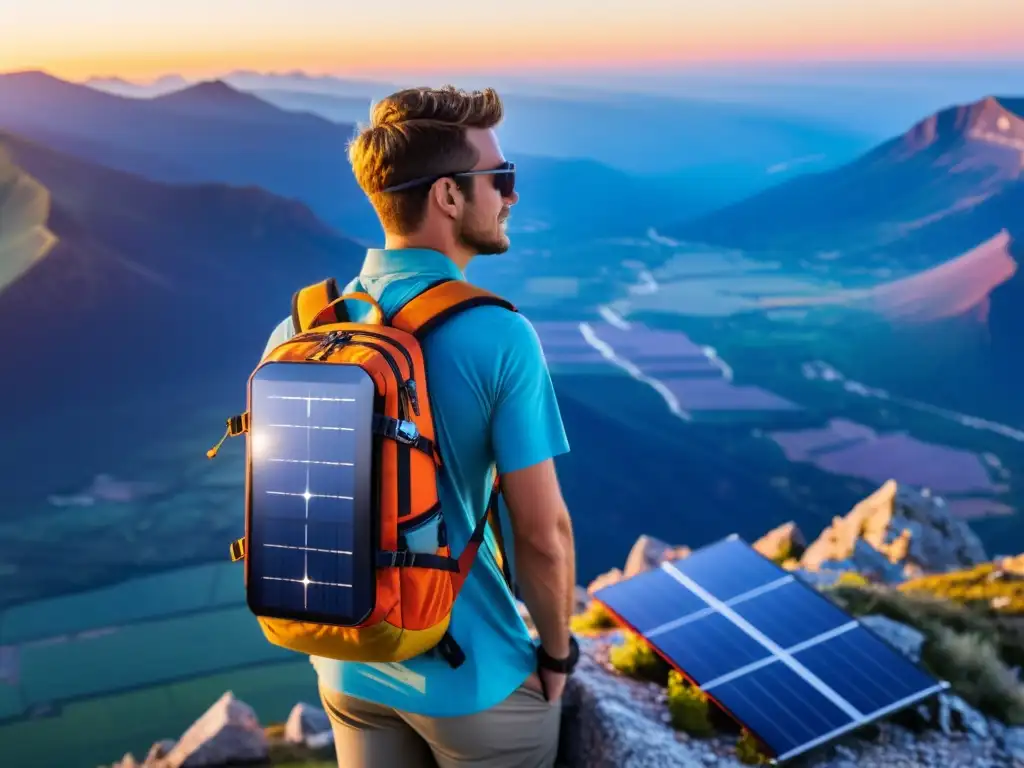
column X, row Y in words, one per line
column 309, row 527
column 783, row 659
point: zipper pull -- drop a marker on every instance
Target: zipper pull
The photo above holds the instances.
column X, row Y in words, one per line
column 236, row 425
column 411, row 396
column 325, row 346
column 213, row 451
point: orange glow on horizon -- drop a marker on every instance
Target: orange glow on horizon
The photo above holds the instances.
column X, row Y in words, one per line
column 141, row 44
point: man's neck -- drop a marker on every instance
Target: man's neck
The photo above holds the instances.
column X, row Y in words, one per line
column 460, row 256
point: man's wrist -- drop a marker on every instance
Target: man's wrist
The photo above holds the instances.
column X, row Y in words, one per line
column 564, row 663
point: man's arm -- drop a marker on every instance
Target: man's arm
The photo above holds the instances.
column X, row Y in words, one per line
column 545, row 558
column 527, row 433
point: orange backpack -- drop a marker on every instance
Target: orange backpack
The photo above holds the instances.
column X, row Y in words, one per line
column 341, row 473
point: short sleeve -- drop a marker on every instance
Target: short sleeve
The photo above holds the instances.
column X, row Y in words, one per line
column 526, row 424
column 284, row 331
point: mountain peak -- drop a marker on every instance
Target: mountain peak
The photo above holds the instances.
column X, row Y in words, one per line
column 208, row 92
column 990, row 120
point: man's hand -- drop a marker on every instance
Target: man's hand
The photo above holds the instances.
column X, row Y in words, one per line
column 554, row 684
column 550, row 685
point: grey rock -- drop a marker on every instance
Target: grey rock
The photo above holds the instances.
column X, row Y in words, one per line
column 898, row 526
column 1013, row 742
column 227, row 732
column 904, row 639
column 953, row 714
column 649, row 553
column 158, row 751
column 605, row 726
column 305, row 720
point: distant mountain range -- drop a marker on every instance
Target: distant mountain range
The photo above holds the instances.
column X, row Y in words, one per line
column 149, row 287
column 214, row 132
column 207, row 132
column 730, row 149
column 953, row 180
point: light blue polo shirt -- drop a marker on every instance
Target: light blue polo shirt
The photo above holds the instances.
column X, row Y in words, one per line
column 493, row 405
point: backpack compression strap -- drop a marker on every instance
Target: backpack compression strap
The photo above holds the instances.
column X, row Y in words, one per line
column 422, row 314
column 440, row 302
column 307, row 302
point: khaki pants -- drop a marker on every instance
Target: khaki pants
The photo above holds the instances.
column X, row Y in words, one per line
column 520, row 732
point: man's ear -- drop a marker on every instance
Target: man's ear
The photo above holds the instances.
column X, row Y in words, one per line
column 448, row 197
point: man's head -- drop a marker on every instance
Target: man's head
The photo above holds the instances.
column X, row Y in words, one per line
column 425, row 141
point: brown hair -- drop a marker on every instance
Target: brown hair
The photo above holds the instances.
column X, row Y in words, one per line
column 415, row 133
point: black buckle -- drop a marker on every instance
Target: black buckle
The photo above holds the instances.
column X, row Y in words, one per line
column 406, row 432
column 402, row 559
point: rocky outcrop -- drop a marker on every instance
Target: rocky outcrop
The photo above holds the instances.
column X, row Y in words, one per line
column 227, row 733
column 785, row 542
column 306, row 723
column 612, row 721
column 647, row 553
column 895, row 533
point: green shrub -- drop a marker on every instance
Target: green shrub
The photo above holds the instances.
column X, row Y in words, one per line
column 689, row 707
column 594, row 619
column 973, row 668
column 851, row 579
column 929, row 613
column 635, row 658
column 749, row 750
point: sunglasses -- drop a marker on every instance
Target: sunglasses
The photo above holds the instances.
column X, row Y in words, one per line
column 504, row 179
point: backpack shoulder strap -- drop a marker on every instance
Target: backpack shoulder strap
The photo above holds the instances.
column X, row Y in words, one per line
column 307, row 302
column 440, row 302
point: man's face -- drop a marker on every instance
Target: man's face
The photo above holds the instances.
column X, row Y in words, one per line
column 483, row 222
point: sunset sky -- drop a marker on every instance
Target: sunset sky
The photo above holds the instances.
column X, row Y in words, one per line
column 197, row 38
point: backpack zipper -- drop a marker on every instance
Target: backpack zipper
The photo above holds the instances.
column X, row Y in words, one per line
column 407, row 396
column 410, row 383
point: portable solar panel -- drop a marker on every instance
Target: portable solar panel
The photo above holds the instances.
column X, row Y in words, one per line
column 781, row 658
column 311, row 539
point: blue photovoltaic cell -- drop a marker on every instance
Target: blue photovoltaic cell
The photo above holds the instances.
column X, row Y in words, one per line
column 787, row 617
column 863, row 670
column 712, row 645
column 650, row 600
column 728, row 568
column 309, row 532
column 783, row 659
column 781, row 707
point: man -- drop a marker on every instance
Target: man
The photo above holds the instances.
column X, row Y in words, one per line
column 431, row 165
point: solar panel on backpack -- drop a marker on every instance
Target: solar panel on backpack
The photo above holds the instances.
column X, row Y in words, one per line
column 310, row 532
column 782, row 659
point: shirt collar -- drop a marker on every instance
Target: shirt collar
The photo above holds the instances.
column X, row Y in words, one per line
column 381, row 262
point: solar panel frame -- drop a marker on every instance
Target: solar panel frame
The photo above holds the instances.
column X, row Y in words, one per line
column 358, row 384
column 712, row 608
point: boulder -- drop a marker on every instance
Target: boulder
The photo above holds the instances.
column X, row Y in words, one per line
column 904, row 639
column 1013, row 743
column 305, row 720
column 158, row 751
column 649, row 553
column 606, row 579
column 896, row 532
column 227, row 732
column 606, row 726
column 782, row 543
column 951, row 714
column 1012, row 565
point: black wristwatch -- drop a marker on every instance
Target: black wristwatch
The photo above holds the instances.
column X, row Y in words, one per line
column 564, row 666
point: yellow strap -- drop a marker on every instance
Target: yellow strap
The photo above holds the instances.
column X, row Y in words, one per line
column 307, row 302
